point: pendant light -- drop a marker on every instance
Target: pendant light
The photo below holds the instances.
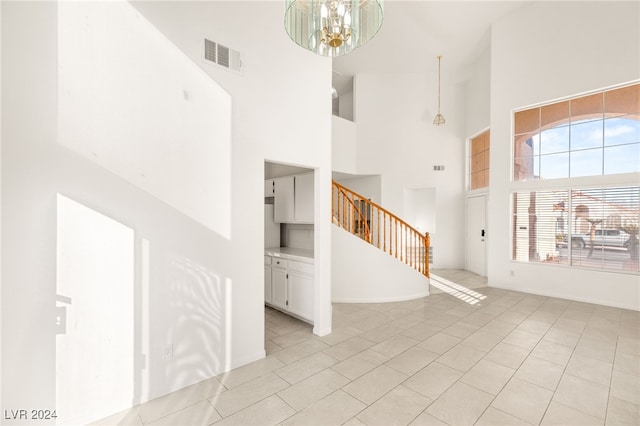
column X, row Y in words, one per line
column 439, row 119
column 332, row 27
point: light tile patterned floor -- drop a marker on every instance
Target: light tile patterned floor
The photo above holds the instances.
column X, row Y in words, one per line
column 468, row 354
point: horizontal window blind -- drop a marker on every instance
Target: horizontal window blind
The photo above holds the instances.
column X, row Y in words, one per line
column 592, row 228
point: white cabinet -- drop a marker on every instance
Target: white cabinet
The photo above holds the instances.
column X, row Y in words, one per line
column 301, row 294
column 293, row 198
column 292, row 287
column 269, row 188
column 303, row 198
column 267, row 279
column 279, row 291
column 283, row 203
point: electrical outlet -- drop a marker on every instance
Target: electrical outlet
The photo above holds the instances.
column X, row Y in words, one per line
column 167, row 352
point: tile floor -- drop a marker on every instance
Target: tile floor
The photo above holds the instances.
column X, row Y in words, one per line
column 468, row 354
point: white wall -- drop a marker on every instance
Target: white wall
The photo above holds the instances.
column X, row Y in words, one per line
column 345, row 105
column 543, row 52
column 177, row 112
column 277, row 115
column 1, row 404
column 367, row 186
column 419, row 208
column 375, row 277
column 199, row 282
column 344, row 142
column 477, row 95
column 397, row 140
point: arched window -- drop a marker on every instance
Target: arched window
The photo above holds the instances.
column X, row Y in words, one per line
column 591, row 135
column 576, row 146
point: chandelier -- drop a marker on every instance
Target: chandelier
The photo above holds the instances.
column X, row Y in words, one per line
column 332, row 27
column 439, row 119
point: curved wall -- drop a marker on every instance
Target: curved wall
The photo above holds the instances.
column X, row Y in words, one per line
column 362, row 273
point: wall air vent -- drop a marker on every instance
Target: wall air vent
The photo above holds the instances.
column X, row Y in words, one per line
column 210, row 50
column 222, row 55
column 430, row 255
column 438, row 168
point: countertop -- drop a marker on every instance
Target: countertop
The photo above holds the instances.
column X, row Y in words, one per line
column 293, row 253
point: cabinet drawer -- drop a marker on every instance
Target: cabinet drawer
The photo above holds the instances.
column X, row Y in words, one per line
column 267, row 260
column 306, row 268
column 277, row 262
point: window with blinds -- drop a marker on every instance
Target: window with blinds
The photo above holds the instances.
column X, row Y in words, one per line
column 592, row 228
column 579, row 217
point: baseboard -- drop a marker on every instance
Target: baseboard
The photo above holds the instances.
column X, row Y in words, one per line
column 565, row 297
column 248, row 359
column 321, row 331
column 383, row 299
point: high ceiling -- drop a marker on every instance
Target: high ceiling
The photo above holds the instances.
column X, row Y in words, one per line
column 415, row 32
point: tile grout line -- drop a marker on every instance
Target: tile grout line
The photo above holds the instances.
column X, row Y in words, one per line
column 444, row 306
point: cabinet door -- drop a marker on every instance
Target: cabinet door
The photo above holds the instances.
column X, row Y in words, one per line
column 279, row 288
column 301, row 294
column 303, row 196
column 267, row 284
column 269, row 189
column 283, row 201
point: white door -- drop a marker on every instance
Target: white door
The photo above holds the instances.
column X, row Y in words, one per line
column 303, row 198
column 301, row 294
column 476, row 235
column 283, row 200
column 267, row 284
column 279, row 288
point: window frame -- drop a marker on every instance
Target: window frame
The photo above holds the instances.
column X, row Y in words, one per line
column 592, row 182
column 541, row 128
column 484, row 189
column 570, row 232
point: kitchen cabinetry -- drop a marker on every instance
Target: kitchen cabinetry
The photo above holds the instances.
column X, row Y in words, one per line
column 279, row 297
column 292, row 286
column 267, row 279
column 269, row 188
column 293, row 198
column 303, row 198
column 301, row 289
column 283, row 203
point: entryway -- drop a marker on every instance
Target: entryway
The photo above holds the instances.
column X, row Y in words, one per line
column 476, row 235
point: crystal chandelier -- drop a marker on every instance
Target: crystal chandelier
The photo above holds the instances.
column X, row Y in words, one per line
column 332, row 27
column 439, row 119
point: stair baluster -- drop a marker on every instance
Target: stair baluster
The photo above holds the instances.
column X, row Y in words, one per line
column 381, row 228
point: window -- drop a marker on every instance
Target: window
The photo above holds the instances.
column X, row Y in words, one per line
column 479, row 161
column 589, row 137
column 593, row 228
column 592, row 135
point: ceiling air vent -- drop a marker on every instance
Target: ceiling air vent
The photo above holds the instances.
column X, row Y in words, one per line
column 222, row 55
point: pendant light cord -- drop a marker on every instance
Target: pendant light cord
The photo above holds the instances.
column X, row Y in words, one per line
column 439, row 58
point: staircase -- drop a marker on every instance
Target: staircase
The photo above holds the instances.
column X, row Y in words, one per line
column 380, row 228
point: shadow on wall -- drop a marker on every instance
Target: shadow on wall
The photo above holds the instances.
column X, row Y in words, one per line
column 94, row 308
column 130, row 101
column 123, row 332
column 136, row 318
column 201, row 308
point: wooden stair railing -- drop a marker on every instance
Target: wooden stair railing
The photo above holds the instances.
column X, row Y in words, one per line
column 378, row 226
